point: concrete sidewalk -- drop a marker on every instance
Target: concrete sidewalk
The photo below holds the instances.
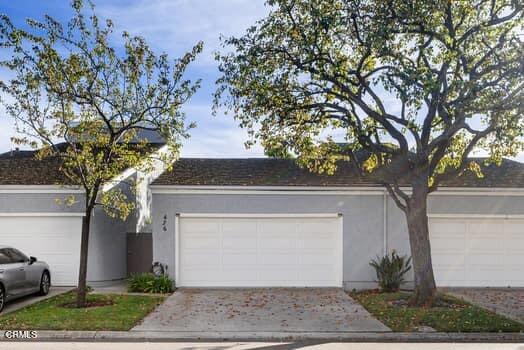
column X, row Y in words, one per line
column 287, row 345
column 136, row 336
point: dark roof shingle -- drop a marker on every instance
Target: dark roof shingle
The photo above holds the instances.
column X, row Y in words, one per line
column 285, row 172
column 23, row 168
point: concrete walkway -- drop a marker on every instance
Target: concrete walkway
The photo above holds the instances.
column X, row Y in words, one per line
column 258, row 310
column 507, row 302
column 31, row 299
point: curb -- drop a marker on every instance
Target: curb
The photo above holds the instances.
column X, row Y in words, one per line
column 166, row 336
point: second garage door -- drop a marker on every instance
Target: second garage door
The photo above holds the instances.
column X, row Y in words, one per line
column 478, row 251
column 55, row 240
column 259, row 251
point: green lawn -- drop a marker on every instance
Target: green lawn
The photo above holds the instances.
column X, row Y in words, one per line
column 125, row 312
column 450, row 314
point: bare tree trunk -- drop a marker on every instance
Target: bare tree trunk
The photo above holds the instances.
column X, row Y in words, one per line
column 82, row 274
column 417, row 220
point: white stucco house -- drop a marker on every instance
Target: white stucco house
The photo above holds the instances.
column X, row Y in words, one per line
column 266, row 222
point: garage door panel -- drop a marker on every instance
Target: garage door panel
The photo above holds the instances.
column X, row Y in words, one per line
column 515, row 244
column 55, row 240
column 441, row 227
column 449, row 273
column 277, row 226
column 274, row 241
column 448, row 259
column 450, row 244
column 238, row 242
column 201, row 242
column 239, row 258
column 277, row 274
column 316, row 243
column 481, row 227
column 485, row 246
column 258, row 252
column 483, row 260
column 209, row 274
column 243, row 226
column 201, row 258
column 317, row 273
column 477, row 251
column 514, row 228
column 192, row 226
column 237, row 275
column 515, row 261
column 315, row 258
column 277, row 258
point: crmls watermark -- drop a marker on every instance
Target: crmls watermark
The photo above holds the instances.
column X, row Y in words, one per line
column 20, row 334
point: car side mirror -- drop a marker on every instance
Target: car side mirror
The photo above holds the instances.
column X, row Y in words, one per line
column 32, row 260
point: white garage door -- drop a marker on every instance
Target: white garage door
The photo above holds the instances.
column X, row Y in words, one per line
column 261, row 251
column 55, row 240
column 478, row 252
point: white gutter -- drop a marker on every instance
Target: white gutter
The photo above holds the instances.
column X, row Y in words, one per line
column 40, row 189
column 328, row 190
column 40, row 214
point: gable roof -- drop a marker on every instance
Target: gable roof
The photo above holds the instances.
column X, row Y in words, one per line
column 285, row 172
column 21, row 167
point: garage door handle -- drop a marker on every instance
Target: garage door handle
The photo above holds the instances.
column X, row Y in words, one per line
column 22, row 269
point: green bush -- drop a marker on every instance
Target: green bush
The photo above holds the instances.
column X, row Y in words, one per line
column 149, row 283
column 390, row 270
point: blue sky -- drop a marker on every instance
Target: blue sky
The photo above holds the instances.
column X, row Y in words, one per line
column 174, row 27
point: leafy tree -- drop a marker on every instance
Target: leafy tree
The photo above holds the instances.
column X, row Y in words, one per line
column 84, row 102
column 417, row 84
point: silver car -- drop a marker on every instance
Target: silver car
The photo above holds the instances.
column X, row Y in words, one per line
column 20, row 275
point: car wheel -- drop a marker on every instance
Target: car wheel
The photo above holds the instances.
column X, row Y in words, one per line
column 45, row 283
column 2, row 298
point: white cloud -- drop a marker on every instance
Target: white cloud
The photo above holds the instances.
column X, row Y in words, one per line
column 6, row 132
column 216, row 136
column 174, row 26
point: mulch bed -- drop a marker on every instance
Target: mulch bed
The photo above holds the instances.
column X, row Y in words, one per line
column 93, row 303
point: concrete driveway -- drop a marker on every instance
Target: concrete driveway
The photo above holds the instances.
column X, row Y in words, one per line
column 20, row 303
column 261, row 310
column 508, row 302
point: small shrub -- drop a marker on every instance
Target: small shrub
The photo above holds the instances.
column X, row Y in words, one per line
column 390, row 270
column 149, row 283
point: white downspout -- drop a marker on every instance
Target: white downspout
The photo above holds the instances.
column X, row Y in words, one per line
column 385, row 222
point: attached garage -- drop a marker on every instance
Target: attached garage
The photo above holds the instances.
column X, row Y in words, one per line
column 249, row 250
column 54, row 239
column 477, row 251
column 38, row 217
column 267, row 222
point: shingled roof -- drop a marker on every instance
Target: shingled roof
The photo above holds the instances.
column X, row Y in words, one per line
column 285, row 172
column 23, row 168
